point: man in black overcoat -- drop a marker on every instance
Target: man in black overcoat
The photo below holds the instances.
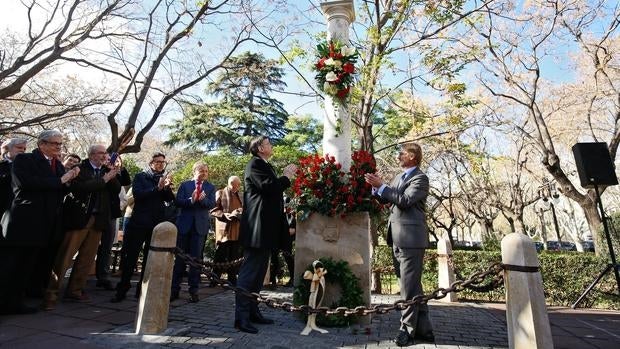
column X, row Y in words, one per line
column 262, row 228
column 33, row 228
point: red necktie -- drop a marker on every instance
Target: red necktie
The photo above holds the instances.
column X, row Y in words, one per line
column 53, row 164
column 198, row 187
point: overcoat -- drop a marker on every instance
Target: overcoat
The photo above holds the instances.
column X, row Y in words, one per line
column 263, row 223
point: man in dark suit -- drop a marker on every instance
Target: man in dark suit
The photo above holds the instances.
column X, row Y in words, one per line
column 151, row 189
column 409, row 237
column 263, row 226
column 33, row 224
column 195, row 197
column 86, row 213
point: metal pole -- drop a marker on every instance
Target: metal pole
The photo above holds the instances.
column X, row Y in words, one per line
column 555, row 222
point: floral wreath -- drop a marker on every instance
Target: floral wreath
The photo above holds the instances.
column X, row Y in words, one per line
column 338, row 273
column 321, row 186
column 335, row 67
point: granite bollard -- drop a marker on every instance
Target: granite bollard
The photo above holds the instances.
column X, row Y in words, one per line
column 152, row 315
column 526, row 312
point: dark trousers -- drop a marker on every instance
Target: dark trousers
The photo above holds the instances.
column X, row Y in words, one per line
column 191, row 243
column 39, row 275
column 228, row 251
column 17, row 263
column 102, row 268
column 276, row 267
column 251, row 276
column 414, row 319
column 133, row 239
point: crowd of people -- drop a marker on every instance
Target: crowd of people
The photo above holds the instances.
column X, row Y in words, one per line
column 53, row 211
column 77, row 204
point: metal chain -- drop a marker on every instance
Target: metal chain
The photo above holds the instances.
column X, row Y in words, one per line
column 197, row 263
column 475, row 282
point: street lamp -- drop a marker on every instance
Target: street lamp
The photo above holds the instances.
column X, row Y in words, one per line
column 550, row 196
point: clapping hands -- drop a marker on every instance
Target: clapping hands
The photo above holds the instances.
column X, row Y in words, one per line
column 69, row 175
column 290, row 171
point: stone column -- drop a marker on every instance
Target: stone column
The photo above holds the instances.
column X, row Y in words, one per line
column 337, row 124
column 526, row 312
column 445, row 269
column 152, row 316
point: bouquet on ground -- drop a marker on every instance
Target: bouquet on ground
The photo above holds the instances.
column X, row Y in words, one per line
column 322, row 187
column 335, row 67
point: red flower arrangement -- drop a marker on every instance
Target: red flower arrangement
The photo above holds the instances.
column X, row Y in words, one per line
column 322, row 187
column 335, row 67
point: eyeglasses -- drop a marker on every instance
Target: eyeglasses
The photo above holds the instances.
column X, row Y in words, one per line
column 159, row 162
column 57, row 144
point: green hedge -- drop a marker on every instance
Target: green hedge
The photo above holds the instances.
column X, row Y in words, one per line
column 565, row 276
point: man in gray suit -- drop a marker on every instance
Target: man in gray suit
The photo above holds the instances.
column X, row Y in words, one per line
column 409, row 238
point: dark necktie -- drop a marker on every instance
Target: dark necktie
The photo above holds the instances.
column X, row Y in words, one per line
column 402, row 180
column 53, row 165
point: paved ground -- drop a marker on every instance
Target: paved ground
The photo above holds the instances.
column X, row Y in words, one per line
column 209, row 324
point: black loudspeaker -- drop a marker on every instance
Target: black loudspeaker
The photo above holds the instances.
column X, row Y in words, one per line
column 594, row 164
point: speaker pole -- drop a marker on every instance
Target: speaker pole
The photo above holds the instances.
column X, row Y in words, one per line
column 613, row 265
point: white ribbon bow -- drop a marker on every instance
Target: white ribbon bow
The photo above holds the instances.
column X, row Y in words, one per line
column 316, row 279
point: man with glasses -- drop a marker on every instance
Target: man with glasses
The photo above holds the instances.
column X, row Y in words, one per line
column 263, row 227
column 32, row 229
column 152, row 189
column 86, row 214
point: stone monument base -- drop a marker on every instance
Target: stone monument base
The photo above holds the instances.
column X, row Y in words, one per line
column 345, row 239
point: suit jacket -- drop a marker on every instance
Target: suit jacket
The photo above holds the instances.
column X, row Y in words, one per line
column 149, row 202
column 407, row 221
column 37, row 205
column 263, row 224
column 86, row 191
column 194, row 213
column 226, row 230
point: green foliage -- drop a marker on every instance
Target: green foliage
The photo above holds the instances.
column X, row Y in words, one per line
column 304, row 132
column 565, row 275
column 245, row 111
column 221, row 166
column 338, row 273
column 130, row 164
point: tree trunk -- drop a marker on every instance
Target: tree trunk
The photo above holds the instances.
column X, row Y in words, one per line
column 595, row 225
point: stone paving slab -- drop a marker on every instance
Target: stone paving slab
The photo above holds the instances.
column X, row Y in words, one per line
column 209, row 324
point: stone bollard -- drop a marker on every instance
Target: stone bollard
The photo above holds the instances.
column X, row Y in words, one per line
column 445, row 269
column 526, row 312
column 152, row 316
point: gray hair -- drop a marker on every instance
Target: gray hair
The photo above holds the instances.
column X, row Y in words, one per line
column 93, row 148
column 47, row 134
column 198, row 165
column 15, row 141
column 232, row 179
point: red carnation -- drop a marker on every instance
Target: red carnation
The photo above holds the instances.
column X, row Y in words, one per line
column 342, row 93
column 348, row 68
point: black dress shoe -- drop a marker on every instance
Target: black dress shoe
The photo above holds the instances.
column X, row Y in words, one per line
column 260, row 319
column 403, row 339
column 105, row 284
column 245, row 326
column 193, row 298
column 428, row 338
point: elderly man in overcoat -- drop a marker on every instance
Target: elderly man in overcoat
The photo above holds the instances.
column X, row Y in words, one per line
column 263, row 225
column 227, row 211
column 32, row 228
